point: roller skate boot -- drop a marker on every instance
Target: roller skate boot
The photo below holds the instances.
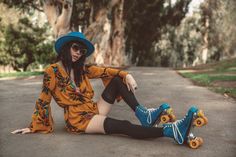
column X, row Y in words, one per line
column 154, row 116
column 182, row 130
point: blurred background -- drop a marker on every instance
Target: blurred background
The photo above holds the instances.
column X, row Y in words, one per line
column 154, row 40
column 161, row 33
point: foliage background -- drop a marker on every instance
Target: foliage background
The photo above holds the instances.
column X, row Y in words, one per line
column 156, row 32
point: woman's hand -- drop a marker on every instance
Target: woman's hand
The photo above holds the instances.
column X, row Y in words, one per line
column 130, row 83
column 21, row 131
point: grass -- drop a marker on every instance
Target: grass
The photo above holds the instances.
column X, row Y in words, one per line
column 220, row 66
column 207, row 79
column 206, row 75
column 21, row 74
column 229, row 91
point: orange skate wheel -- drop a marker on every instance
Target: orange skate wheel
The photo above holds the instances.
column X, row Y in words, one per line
column 172, row 117
column 165, row 118
column 194, row 143
column 199, row 122
column 200, row 113
column 205, row 120
column 200, row 140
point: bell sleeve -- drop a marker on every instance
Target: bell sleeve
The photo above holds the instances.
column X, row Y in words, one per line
column 106, row 74
column 42, row 120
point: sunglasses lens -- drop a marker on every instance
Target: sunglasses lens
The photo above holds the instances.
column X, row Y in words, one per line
column 75, row 47
column 83, row 51
column 79, row 48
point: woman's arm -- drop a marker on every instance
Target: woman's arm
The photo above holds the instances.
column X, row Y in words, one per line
column 42, row 120
column 107, row 73
column 104, row 72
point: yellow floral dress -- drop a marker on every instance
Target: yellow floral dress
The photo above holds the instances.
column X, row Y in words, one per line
column 78, row 107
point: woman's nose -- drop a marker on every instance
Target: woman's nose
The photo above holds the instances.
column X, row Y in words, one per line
column 78, row 52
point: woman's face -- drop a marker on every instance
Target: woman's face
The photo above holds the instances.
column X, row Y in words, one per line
column 76, row 51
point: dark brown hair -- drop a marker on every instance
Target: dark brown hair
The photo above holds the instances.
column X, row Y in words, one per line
column 66, row 59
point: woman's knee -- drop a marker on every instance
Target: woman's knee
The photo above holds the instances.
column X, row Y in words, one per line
column 96, row 124
column 117, row 79
column 104, row 106
column 112, row 89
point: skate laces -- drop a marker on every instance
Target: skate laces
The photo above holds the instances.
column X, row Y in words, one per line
column 149, row 117
column 177, row 134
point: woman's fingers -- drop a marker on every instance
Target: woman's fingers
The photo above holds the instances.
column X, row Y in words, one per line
column 130, row 87
column 131, row 83
column 21, row 131
column 127, row 84
column 16, row 131
column 133, row 88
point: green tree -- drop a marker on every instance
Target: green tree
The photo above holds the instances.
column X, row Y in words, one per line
column 145, row 21
column 100, row 21
column 23, row 44
column 112, row 25
column 221, row 16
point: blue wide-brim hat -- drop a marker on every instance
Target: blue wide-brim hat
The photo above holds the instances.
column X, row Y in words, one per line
column 74, row 36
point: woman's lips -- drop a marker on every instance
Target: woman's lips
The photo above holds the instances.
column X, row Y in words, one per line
column 75, row 58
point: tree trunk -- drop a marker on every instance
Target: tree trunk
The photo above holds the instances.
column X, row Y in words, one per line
column 106, row 29
column 58, row 18
column 117, row 55
column 205, row 46
column 99, row 32
column 107, row 34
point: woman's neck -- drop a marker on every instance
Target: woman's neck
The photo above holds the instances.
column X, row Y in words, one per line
column 71, row 72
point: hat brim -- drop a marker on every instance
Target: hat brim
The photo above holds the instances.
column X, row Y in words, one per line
column 65, row 39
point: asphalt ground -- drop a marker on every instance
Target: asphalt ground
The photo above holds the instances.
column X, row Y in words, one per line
column 155, row 86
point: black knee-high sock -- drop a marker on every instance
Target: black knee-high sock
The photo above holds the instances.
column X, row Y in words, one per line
column 113, row 126
column 117, row 87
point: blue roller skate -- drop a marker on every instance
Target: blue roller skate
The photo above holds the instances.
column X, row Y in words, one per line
column 181, row 130
column 153, row 116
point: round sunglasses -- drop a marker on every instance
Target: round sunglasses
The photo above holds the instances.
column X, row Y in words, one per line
column 77, row 47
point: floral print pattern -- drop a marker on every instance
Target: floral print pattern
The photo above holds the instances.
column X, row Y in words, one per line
column 77, row 102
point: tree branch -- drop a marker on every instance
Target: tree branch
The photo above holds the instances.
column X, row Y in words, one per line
column 59, row 22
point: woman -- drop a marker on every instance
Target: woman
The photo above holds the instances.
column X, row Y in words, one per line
column 67, row 81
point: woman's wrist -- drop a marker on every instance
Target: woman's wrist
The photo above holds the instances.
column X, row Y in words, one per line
column 123, row 74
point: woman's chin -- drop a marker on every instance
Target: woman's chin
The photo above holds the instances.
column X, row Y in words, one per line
column 74, row 60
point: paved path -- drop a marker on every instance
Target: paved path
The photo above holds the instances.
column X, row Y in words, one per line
column 156, row 85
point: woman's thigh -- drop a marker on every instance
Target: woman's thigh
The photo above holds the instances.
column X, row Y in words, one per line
column 96, row 124
column 103, row 107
